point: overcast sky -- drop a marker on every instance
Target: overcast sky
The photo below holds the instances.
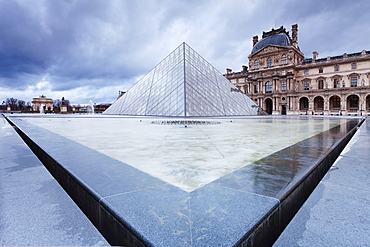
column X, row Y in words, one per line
column 89, row 49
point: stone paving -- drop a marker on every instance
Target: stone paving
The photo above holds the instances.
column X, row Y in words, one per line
column 34, row 209
column 337, row 213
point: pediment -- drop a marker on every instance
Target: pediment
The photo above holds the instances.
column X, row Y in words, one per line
column 270, row 49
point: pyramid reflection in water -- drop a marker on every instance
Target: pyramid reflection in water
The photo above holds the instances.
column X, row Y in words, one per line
column 184, row 84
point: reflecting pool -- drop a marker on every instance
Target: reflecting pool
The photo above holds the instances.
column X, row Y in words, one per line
column 187, row 155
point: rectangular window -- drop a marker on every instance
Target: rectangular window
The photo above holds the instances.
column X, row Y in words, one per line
column 269, row 62
column 283, row 86
column 268, row 87
column 306, row 72
column 283, row 59
column 321, row 70
column 306, row 85
column 256, row 64
column 255, row 88
column 321, row 84
column 354, row 66
column 336, row 68
column 354, row 81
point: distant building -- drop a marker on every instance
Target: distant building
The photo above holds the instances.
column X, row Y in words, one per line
column 282, row 81
column 47, row 103
column 120, row 93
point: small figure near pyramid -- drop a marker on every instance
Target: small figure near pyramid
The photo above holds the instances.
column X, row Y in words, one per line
column 184, row 84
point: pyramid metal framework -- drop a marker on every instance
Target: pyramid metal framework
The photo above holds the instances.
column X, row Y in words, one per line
column 184, row 84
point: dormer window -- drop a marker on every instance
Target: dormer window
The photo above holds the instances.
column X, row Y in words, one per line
column 269, row 62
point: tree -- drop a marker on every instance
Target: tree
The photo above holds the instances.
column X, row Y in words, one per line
column 56, row 105
column 12, row 103
column 29, row 106
column 21, row 104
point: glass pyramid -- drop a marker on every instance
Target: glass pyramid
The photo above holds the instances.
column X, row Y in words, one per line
column 184, row 84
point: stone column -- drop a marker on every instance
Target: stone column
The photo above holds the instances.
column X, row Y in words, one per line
column 343, row 104
column 326, row 105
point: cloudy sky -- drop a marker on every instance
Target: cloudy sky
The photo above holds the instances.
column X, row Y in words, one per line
column 89, row 49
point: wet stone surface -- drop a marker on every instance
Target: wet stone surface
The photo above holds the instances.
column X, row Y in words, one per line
column 162, row 213
column 34, row 209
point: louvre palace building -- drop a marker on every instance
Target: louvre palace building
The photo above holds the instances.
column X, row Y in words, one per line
column 282, row 81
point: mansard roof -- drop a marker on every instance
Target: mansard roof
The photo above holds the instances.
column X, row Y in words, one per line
column 278, row 37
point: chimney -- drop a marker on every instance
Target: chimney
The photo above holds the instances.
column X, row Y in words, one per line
column 255, row 40
column 244, row 68
column 229, row 71
column 315, row 55
column 295, row 35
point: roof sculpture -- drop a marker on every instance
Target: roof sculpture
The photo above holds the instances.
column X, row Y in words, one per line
column 184, row 84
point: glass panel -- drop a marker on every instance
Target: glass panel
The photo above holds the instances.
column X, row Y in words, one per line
column 184, row 84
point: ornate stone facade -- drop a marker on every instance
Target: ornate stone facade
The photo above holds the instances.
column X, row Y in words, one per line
column 42, row 101
column 282, row 81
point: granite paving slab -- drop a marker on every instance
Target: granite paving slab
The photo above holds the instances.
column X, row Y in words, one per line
column 224, row 212
column 34, row 209
column 337, row 213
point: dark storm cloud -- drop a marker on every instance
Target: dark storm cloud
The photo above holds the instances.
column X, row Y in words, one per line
column 330, row 27
column 73, row 39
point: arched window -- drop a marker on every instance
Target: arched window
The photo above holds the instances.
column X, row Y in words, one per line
column 303, row 104
column 353, row 101
column 283, row 59
column 318, row 103
column 269, row 62
column 335, row 103
column 268, row 87
column 256, row 64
